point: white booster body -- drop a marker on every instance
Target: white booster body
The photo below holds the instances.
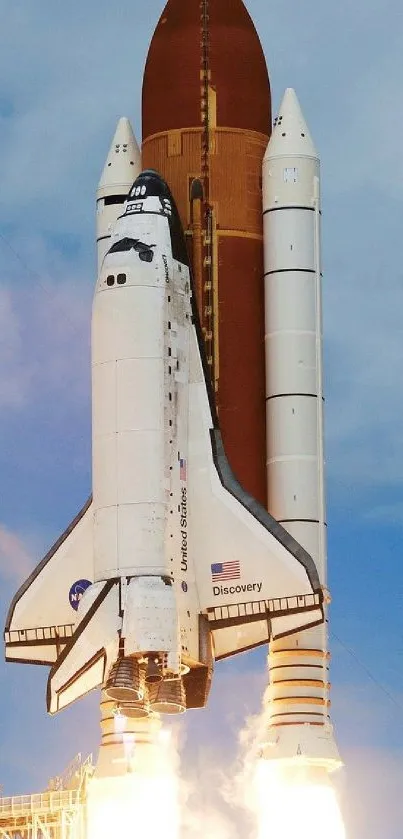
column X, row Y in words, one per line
column 297, row 699
column 122, row 166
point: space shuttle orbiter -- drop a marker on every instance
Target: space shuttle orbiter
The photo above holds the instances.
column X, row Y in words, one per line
column 170, row 565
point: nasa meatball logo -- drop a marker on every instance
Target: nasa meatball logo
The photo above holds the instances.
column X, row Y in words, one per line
column 76, row 592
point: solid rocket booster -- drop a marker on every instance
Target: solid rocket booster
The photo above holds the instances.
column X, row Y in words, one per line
column 297, row 700
column 293, row 341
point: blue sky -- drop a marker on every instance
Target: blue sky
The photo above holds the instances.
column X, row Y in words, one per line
column 67, row 72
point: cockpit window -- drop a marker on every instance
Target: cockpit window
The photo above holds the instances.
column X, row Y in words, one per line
column 137, row 191
column 144, row 251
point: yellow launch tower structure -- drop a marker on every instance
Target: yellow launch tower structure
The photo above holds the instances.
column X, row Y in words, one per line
column 57, row 813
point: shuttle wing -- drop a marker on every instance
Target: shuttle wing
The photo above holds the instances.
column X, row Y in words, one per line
column 87, row 656
column 42, row 614
column 254, row 581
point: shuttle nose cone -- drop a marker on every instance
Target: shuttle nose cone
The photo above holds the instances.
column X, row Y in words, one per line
column 290, row 131
column 150, row 193
column 149, row 184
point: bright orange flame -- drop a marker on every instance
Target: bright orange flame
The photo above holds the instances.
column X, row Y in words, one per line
column 296, row 803
column 141, row 802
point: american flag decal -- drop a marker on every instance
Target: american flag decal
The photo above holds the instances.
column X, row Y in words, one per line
column 226, row 571
column 182, row 469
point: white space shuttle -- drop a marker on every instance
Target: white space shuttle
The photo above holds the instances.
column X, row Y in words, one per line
column 170, row 564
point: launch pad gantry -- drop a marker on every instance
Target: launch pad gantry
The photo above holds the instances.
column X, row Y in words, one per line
column 57, row 813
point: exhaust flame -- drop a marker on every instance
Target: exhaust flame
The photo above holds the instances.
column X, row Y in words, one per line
column 296, row 802
column 145, row 792
column 133, row 804
column 119, row 722
column 143, row 799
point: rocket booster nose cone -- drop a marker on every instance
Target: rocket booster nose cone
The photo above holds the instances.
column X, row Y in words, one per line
column 291, row 134
column 123, row 162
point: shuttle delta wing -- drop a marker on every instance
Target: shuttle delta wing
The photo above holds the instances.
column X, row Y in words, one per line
column 42, row 614
column 92, row 649
column 251, row 575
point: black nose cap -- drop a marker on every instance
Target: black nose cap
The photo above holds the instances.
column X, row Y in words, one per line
column 150, row 184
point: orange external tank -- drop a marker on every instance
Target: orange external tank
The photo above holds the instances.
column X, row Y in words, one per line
column 206, row 124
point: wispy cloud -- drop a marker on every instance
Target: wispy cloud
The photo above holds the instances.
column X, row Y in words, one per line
column 16, row 561
column 12, row 373
column 372, row 796
column 364, row 338
column 44, row 327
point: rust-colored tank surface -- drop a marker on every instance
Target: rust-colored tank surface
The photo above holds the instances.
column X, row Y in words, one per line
column 171, row 85
column 206, row 125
